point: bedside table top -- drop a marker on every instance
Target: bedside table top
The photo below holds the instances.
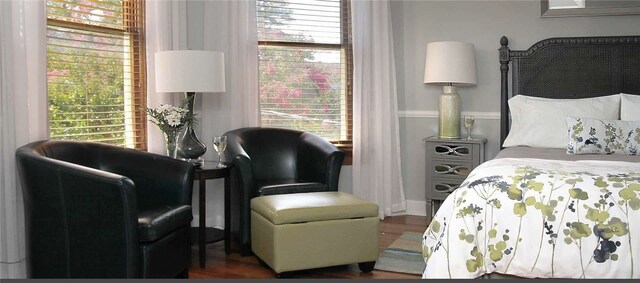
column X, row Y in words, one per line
column 475, row 139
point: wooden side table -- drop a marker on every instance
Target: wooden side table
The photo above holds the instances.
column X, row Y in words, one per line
column 202, row 234
column 449, row 161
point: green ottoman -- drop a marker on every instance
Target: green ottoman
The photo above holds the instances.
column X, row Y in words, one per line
column 310, row 230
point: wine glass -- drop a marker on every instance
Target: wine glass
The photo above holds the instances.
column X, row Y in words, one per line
column 468, row 124
column 220, row 144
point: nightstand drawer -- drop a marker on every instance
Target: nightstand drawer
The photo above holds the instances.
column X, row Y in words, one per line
column 443, row 187
column 459, row 151
column 450, row 168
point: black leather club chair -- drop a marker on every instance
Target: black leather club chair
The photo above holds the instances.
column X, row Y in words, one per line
column 101, row 211
column 272, row 161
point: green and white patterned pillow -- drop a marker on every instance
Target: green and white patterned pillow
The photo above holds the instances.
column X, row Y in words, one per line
column 595, row 136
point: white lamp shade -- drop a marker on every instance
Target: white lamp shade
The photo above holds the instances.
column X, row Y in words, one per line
column 189, row 71
column 450, row 62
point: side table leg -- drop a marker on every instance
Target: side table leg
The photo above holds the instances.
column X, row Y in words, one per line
column 202, row 231
column 227, row 216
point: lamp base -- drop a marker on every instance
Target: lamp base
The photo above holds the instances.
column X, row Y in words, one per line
column 189, row 145
column 449, row 118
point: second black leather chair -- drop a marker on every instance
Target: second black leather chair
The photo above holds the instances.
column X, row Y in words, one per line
column 272, row 161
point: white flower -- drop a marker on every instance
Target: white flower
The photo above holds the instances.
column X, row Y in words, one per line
column 173, row 118
column 169, row 118
column 163, row 108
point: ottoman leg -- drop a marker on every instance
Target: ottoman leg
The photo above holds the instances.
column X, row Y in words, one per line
column 366, row 267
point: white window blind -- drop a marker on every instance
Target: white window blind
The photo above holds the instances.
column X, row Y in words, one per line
column 96, row 71
column 305, row 66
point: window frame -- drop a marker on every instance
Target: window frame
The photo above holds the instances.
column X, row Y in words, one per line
column 345, row 46
column 134, row 28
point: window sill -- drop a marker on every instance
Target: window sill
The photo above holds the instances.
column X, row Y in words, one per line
column 348, row 153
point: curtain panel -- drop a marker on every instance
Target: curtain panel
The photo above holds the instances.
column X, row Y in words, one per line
column 23, row 117
column 230, row 27
column 166, row 29
column 376, row 142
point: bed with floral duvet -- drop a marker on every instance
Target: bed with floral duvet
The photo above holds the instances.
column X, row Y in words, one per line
column 546, row 207
column 539, row 218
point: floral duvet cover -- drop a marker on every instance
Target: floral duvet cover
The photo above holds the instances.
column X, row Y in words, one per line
column 539, row 219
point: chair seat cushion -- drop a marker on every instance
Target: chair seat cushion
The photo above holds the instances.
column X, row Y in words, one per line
column 308, row 207
column 154, row 224
column 288, row 186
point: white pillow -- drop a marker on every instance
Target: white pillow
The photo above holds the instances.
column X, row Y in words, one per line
column 541, row 122
column 595, row 136
column 630, row 107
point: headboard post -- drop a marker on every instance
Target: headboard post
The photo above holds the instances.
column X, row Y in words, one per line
column 504, row 88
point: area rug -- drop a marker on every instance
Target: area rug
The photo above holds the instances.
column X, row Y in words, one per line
column 404, row 255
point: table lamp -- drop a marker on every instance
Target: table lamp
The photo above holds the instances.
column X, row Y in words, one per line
column 450, row 64
column 190, row 71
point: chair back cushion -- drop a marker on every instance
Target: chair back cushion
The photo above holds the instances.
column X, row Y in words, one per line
column 273, row 152
column 85, row 154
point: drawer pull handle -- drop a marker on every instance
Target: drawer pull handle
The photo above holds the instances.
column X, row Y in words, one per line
column 448, row 169
column 452, row 150
column 446, row 188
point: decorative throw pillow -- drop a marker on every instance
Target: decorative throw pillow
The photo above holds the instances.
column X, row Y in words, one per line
column 594, row 136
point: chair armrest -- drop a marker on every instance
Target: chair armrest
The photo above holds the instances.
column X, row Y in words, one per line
column 319, row 161
column 159, row 180
column 242, row 191
column 63, row 199
column 243, row 167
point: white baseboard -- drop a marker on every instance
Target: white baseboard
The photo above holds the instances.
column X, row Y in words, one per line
column 413, row 207
column 417, row 207
column 399, row 207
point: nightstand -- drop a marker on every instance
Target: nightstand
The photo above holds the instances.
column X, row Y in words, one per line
column 449, row 161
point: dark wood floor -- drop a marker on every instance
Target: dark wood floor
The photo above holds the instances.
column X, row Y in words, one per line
column 220, row 265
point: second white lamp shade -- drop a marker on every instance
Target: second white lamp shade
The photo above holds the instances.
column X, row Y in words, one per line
column 450, row 62
column 189, row 71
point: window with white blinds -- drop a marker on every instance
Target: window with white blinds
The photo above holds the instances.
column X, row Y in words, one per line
column 96, row 71
column 305, row 68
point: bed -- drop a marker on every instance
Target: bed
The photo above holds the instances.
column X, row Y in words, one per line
column 562, row 197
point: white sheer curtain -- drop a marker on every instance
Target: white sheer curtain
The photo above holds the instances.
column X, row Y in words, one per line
column 23, row 101
column 230, row 27
column 166, row 29
column 376, row 144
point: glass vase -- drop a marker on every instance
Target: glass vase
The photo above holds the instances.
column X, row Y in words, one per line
column 189, row 146
column 171, row 142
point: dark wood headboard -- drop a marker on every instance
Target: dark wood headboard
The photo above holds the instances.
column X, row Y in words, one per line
column 569, row 67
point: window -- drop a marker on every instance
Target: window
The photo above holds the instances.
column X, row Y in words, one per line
column 305, row 69
column 96, row 71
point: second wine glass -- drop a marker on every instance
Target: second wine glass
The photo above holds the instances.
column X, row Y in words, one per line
column 220, row 144
column 468, row 125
